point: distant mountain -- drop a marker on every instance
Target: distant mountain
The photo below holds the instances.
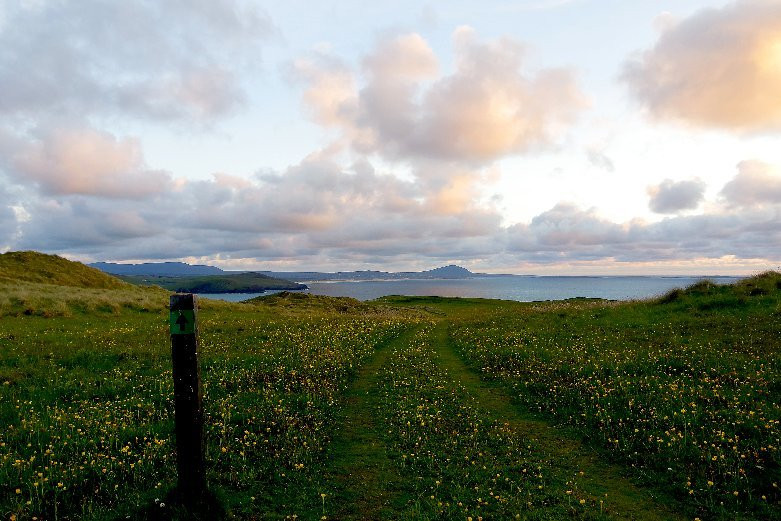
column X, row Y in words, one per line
column 182, row 269
column 158, row 269
column 444, row 272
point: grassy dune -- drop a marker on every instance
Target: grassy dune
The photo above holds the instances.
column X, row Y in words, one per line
column 404, row 408
column 35, row 284
column 34, row 267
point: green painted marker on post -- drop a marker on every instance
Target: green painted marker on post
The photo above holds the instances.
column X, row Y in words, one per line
column 182, row 322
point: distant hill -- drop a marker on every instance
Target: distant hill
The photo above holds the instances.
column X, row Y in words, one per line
column 225, row 283
column 444, row 272
column 31, row 266
column 158, row 269
column 448, row 272
column 182, row 269
column 287, row 299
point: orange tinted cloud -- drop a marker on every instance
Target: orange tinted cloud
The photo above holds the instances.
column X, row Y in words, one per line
column 87, row 162
column 718, row 68
column 400, row 105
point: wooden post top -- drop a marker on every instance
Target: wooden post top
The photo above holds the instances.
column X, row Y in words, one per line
column 183, row 301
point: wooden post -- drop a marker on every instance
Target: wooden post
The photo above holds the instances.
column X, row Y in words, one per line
column 188, row 414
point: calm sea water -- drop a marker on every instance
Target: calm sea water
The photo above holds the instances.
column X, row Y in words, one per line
column 524, row 289
column 237, row 297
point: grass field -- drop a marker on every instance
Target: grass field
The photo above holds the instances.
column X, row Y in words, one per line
column 403, row 408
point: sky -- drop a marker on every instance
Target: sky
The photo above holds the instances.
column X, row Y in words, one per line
column 531, row 136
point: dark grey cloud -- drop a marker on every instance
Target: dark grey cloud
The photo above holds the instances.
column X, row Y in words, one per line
column 315, row 208
column 756, row 183
column 567, row 233
column 8, row 221
column 78, row 223
column 365, row 217
column 160, row 60
column 321, row 214
column 675, row 196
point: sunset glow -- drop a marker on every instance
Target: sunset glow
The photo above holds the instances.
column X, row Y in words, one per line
column 524, row 137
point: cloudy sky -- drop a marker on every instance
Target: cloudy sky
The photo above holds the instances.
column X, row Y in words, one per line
column 522, row 136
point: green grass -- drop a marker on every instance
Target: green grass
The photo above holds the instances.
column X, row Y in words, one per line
column 459, row 460
column 86, row 402
column 30, row 266
column 683, row 390
column 404, row 408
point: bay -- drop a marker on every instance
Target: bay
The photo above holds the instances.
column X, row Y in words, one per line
column 520, row 288
column 238, row 297
column 513, row 287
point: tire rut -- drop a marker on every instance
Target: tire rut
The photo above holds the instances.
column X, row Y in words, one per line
column 365, row 482
column 604, row 482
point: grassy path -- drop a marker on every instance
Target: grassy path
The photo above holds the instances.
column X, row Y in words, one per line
column 622, row 499
column 365, row 481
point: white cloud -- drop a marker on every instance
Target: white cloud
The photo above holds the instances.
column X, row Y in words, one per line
column 597, row 157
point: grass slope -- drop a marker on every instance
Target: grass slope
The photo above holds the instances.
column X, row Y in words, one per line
column 236, row 283
column 30, row 266
column 35, row 284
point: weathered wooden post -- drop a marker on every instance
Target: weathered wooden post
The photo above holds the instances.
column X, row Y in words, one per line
column 188, row 415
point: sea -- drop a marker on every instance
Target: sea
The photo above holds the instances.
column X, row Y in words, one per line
column 515, row 287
